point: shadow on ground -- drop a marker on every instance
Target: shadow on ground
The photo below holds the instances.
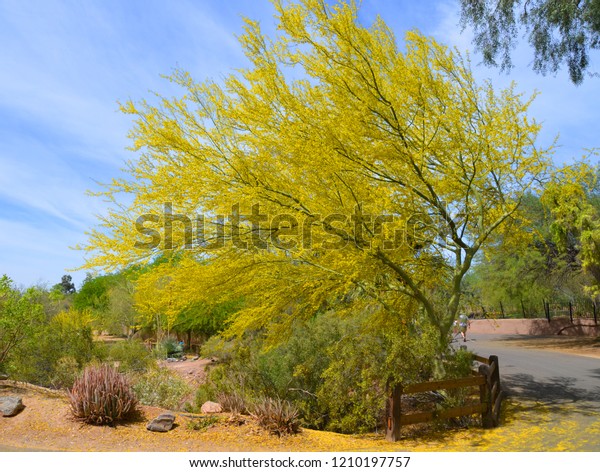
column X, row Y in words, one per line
column 554, row 391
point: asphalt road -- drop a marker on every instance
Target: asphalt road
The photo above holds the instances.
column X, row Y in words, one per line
column 541, row 375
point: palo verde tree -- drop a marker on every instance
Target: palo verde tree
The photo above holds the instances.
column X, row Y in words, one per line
column 337, row 171
column 573, row 198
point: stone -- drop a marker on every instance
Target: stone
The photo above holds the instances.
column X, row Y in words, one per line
column 3, row 377
column 211, row 407
column 11, row 406
column 162, row 423
column 195, row 358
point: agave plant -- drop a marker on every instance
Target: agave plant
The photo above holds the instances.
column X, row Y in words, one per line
column 102, row 395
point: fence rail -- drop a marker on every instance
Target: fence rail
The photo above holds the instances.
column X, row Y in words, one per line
column 487, row 378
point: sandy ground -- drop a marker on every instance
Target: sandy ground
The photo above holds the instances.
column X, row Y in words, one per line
column 46, row 425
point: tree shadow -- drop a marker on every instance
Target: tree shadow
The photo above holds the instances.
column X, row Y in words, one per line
column 554, row 391
column 595, row 373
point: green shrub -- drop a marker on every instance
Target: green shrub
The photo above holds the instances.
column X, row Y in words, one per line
column 131, row 356
column 169, row 347
column 277, row 416
column 335, row 370
column 67, row 369
column 161, row 387
column 102, row 395
column 203, row 423
column 40, row 359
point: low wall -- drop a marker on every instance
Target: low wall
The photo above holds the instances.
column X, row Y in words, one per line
column 540, row 326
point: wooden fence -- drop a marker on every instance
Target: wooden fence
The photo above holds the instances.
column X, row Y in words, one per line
column 487, row 378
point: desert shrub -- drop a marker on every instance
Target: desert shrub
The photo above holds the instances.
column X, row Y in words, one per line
column 161, row 387
column 277, row 416
column 131, row 356
column 203, row 423
column 458, row 363
column 335, row 370
column 41, row 358
column 232, row 402
column 102, row 395
column 67, row 369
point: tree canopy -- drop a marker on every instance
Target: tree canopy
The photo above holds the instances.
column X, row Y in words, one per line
column 337, row 171
column 561, row 32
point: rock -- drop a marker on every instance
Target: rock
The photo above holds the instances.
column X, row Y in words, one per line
column 171, row 359
column 195, row 358
column 162, row 423
column 3, row 377
column 11, row 406
column 211, row 407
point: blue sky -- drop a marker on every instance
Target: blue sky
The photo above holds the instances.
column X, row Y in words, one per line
column 64, row 65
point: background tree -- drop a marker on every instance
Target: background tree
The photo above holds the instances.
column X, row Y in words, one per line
column 66, row 285
column 21, row 314
column 561, row 32
column 367, row 179
column 573, row 198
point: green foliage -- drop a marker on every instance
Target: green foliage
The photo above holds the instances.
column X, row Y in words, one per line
column 161, row 387
column 203, row 423
column 561, row 32
column 41, row 357
column 102, row 396
column 65, row 372
column 21, row 316
column 201, row 318
column 168, row 347
column 93, row 294
column 334, row 370
column 458, row 364
column 545, row 267
column 131, row 356
column 277, row 416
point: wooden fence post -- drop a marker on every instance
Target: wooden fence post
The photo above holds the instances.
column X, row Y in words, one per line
column 485, row 398
column 394, row 412
column 595, row 313
column 571, row 311
column 502, row 309
column 496, row 390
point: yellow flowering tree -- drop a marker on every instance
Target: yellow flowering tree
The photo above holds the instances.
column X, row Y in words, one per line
column 574, row 203
column 335, row 171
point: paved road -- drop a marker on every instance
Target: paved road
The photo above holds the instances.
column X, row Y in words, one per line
column 542, row 375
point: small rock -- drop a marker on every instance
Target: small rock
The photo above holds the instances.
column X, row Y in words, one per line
column 195, row 358
column 211, row 407
column 171, row 359
column 162, row 423
column 3, row 377
column 11, row 406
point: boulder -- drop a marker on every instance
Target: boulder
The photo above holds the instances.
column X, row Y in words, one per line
column 211, row 407
column 11, row 406
column 3, row 377
column 162, row 423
